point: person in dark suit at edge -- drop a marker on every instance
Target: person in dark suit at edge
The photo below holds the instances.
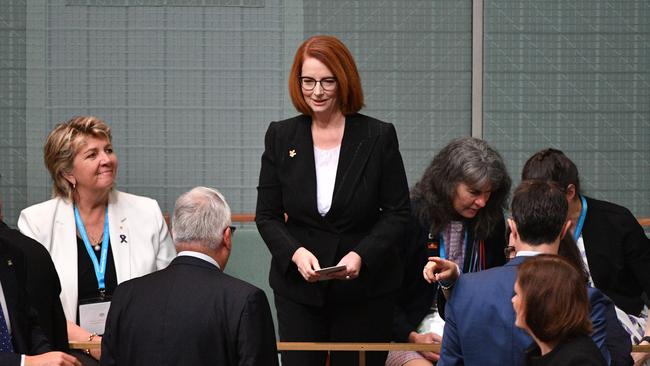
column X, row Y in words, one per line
column 191, row 313
column 43, row 285
column 22, row 342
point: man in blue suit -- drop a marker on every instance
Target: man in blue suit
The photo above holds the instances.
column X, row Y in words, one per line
column 480, row 321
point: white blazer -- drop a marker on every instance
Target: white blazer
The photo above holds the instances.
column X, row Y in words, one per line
column 140, row 241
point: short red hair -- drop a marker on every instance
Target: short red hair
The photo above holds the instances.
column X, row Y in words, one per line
column 332, row 53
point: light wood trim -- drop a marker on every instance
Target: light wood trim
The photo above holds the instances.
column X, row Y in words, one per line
column 250, row 217
column 85, row 345
column 335, row 346
column 243, row 217
column 340, row 346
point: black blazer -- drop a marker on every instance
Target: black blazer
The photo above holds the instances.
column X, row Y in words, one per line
column 576, row 351
column 618, row 252
column 26, row 334
column 43, row 286
column 189, row 313
column 416, row 295
column 370, row 208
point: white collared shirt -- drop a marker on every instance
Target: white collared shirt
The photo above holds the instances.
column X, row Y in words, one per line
column 527, row 253
column 198, row 255
column 326, row 162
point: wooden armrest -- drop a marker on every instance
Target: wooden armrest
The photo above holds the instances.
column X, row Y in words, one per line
column 344, row 346
column 85, row 344
column 341, row 346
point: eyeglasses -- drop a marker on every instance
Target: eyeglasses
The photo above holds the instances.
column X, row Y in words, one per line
column 232, row 229
column 309, row 84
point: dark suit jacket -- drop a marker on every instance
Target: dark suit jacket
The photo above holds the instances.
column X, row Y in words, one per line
column 189, row 313
column 43, row 286
column 618, row 252
column 26, row 335
column 416, row 295
column 370, row 208
column 480, row 322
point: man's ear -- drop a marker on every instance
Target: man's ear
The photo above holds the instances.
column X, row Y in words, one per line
column 227, row 238
column 514, row 234
column 570, row 192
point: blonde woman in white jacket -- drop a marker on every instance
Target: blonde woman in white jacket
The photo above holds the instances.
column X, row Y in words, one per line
column 98, row 237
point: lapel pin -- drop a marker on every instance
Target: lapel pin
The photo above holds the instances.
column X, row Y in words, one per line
column 292, row 153
column 9, row 262
column 123, row 239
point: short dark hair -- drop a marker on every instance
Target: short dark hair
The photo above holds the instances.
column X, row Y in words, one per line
column 552, row 164
column 332, row 53
column 539, row 209
column 554, row 297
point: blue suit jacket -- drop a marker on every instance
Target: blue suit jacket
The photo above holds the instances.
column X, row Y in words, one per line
column 480, row 322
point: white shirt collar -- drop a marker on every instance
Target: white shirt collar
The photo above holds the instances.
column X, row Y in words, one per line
column 527, row 253
column 198, row 255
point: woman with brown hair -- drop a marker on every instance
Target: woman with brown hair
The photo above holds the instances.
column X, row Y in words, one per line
column 338, row 177
column 551, row 304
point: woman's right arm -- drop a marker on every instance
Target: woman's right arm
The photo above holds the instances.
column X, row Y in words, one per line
column 269, row 214
column 78, row 334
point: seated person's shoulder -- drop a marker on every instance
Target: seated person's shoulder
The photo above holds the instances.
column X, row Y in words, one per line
column 42, row 208
column 135, row 205
column 610, row 210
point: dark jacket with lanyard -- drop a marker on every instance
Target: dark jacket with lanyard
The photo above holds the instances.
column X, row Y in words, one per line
column 416, row 296
column 618, row 252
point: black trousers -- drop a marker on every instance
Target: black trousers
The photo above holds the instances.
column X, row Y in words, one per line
column 368, row 321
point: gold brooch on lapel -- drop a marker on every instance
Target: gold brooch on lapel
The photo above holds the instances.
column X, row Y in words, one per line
column 292, row 153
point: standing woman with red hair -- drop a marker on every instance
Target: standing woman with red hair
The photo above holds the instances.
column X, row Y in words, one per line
column 338, row 177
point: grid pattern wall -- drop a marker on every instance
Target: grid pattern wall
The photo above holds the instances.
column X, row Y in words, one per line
column 573, row 75
column 12, row 106
column 189, row 91
column 415, row 60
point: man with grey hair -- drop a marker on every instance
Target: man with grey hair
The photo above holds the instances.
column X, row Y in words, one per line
column 191, row 313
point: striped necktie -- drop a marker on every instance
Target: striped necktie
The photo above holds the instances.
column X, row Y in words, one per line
column 5, row 337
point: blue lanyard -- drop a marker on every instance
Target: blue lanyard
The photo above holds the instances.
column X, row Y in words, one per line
column 581, row 220
column 443, row 254
column 100, row 268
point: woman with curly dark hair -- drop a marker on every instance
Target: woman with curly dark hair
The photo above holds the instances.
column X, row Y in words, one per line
column 457, row 214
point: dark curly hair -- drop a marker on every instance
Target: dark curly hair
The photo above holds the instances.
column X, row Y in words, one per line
column 466, row 160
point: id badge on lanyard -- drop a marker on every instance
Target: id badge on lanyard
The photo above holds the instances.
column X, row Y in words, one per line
column 92, row 313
